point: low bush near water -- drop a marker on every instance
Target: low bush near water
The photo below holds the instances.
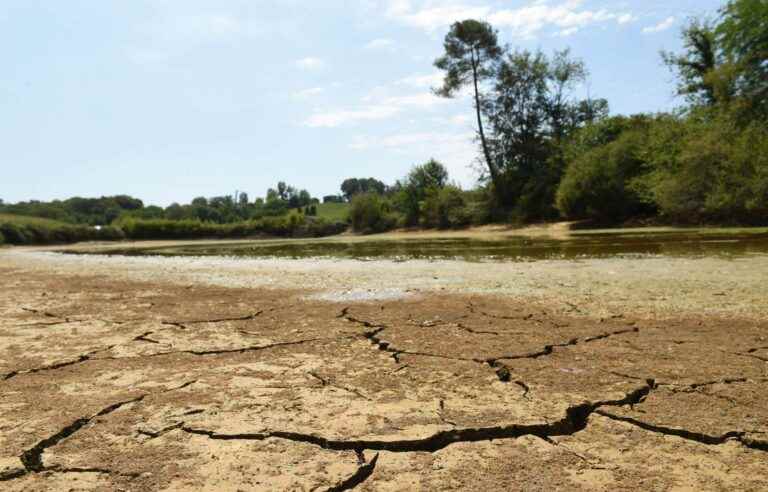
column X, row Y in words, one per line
column 293, row 225
column 23, row 233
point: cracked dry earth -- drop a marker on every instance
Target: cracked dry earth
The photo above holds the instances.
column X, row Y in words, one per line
column 111, row 384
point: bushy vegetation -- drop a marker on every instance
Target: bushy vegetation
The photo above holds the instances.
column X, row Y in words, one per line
column 604, row 159
column 292, row 225
column 286, row 212
column 549, row 154
column 371, row 212
column 706, row 163
column 76, row 210
column 354, row 186
column 707, row 168
column 21, row 230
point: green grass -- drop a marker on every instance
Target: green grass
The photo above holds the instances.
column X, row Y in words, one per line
column 334, row 212
column 28, row 220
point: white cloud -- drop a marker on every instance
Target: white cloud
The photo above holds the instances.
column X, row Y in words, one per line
column 310, row 63
column 661, row 26
column 626, row 18
column 376, row 108
column 308, row 93
column 525, row 22
column 456, row 150
column 568, row 32
column 432, row 16
column 399, row 141
column 379, row 44
column 422, row 81
column 335, row 118
column 422, row 100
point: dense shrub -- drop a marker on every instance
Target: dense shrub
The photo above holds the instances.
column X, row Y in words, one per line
column 371, row 213
column 708, row 169
column 23, row 232
column 293, row 225
column 444, row 208
column 14, row 234
column 596, row 184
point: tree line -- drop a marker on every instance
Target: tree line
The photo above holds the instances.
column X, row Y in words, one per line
column 224, row 209
column 548, row 154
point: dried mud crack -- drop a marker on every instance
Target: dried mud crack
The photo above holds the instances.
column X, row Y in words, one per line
column 549, row 349
column 58, row 365
column 575, row 420
column 710, row 440
column 184, row 324
column 410, row 386
column 361, row 475
column 503, row 372
column 32, row 458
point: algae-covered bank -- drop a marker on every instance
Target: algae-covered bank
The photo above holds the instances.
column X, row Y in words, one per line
column 630, row 362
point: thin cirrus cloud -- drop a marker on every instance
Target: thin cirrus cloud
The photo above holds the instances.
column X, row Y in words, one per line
column 335, row 118
column 566, row 17
column 454, row 149
column 422, row 80
column 661, row 26
column 308, row 93
column 379, row 109
column 399, row 141
column 380, row 44
column 310, row 63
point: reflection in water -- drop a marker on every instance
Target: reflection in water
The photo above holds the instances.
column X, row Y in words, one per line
column 685, row 243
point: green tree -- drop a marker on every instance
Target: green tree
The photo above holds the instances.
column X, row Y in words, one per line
column 695, row 66
column 531, row 111
column 370, row 212
column 421, row 180
column 304, row 198
column 471, row 55
column 282, row 190
column 743, row 37
column 444, row 208
column 352, row 186
column 431, row 174
column 597, row 183
column 242, row 200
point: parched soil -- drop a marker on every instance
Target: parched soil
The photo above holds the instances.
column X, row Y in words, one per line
column 111, row 383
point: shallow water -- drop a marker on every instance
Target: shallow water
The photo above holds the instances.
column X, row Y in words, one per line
column 575, row 245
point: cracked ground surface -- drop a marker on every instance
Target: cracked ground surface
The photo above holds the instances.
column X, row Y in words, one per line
column 108, row 383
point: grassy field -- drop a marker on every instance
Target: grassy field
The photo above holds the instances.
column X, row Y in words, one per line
column 333, row 211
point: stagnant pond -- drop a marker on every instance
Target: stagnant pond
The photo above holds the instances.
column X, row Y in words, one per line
column 574, row 245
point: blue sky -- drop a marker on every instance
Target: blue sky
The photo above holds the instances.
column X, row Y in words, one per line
column 167, row 100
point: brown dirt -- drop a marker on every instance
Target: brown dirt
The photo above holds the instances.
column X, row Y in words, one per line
column 117, row 384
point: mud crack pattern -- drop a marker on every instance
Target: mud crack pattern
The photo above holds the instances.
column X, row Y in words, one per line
column 109, row 384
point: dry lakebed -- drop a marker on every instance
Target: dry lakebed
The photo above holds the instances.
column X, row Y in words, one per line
column 387, row 369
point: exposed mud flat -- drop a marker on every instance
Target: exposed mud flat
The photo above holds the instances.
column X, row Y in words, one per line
column 212, row 374
column 649, row 286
